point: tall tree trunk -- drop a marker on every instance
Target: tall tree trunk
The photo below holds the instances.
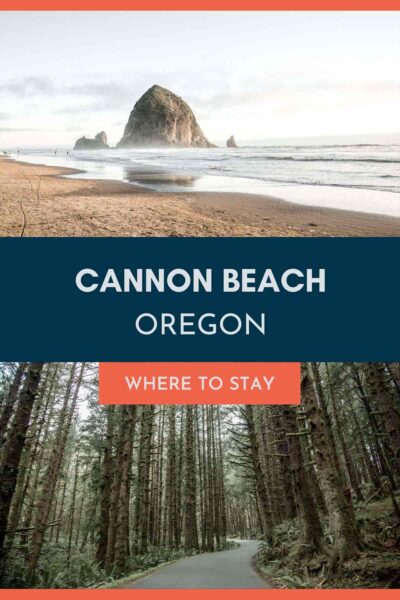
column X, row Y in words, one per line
column 351, row 472
column 342, row 526
column 191, row 537
column 312, row 539
column 215, row 483
column 222, row 478
column 170, row 493
column 105, row 488
column 142, row 505
column 72, row 508
column 326, row 421
column 13, row 449
column 11, row 400
column 388, row 407
column 380, row 448
column 31, row 446
column 122, row 537
column 53, row 471
column 260, row 484
column 179, row 480
column 115, row 492
column 209, row 486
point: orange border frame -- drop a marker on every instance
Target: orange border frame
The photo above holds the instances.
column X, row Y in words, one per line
column 192, row 5
column 199, row 5
column 235, row 594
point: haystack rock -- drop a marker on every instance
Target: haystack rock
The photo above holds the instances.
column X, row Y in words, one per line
column 97, row 143
column 231, row 142
column 161, row 118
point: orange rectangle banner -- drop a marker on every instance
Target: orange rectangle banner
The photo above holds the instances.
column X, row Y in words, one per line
column 199, row 5
column 199, row 383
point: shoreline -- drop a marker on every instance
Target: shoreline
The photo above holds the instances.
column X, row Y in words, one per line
column 293, row 182
column 37, row 200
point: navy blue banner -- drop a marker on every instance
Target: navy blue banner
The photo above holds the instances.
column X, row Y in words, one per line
column 350, row 311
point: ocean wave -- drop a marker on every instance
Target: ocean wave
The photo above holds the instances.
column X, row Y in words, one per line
column 318, row 183
column 325, row 159
column 370, row 168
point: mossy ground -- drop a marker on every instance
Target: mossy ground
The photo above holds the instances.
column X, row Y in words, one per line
column 376, row 566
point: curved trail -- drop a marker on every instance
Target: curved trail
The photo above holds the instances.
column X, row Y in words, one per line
column 228, row 569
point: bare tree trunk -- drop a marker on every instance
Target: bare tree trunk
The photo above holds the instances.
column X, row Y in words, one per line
column 209, row 487
column 53, row 471
column 346, row 454
column 221, row 478
column 312, row 529
column 115, row 493
column 11, row 400
column 387, row 406
column 170, row 492
column 13, row 449
column 122, row 537
column 343, row 528
column 105, row 488
column 260, row 484
column 72, row 508
column 191, row 538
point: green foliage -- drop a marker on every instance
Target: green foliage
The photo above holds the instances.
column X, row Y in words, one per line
column 378, row 523
column 378, row 565
column 15, row 574
column 154, row 558
column 286, row 538
column 229, row 545
column 55, row 571
column 81, row 571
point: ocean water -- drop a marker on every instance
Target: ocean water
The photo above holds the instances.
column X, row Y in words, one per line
column 354, row 177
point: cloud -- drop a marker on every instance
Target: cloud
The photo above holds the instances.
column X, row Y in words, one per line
column 287, row 91
column 73, row 128
column 99, row 96
column 286, row 96
column 18, row 129
column 28, row 86
column 108, row 89
column 40, row 85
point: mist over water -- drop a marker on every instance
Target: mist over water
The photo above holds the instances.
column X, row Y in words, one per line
column 354, row 177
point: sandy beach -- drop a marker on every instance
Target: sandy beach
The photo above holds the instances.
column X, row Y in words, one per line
column 36, row 200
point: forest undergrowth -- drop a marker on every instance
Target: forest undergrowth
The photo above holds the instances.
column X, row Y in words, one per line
column 81, row 571
column 375, row 566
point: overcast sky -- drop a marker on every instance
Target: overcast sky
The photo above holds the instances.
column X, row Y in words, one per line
column 258, row 75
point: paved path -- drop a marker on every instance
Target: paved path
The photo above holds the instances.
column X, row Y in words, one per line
column 229, row 569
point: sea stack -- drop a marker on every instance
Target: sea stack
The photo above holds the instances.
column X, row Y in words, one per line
column 97, row 143
column 161, row 118
column 231, row 142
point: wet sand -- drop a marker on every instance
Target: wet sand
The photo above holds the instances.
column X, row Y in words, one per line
column 36, row 201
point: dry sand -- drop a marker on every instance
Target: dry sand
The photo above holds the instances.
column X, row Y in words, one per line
column 36, row 201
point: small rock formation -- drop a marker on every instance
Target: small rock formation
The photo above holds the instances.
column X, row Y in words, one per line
column 102, row 137
column 161, row 118
column 99, row 142
column 231, row 142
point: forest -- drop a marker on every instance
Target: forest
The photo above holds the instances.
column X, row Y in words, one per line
column 93, row 495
